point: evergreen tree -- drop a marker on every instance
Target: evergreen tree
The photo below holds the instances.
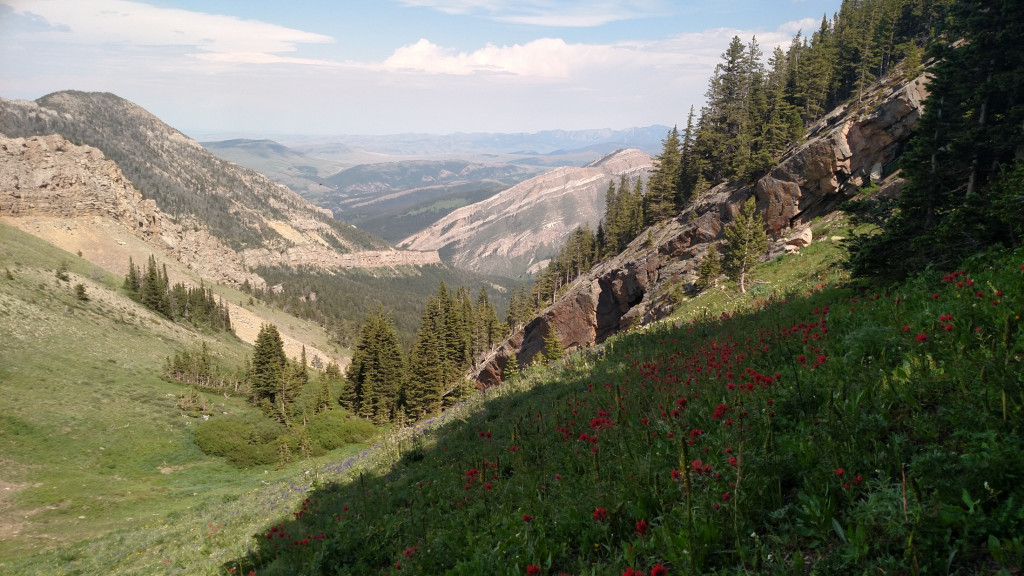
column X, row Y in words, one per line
column 511, row 370
column 133, row 279
column 488, row 327
column 968, row 138
column 426, row 369
column 375, row 375
column 552, row 346
column 688, row 170
column 747, row 242
column 709, row 269
column 663, row 187
column 268, row 362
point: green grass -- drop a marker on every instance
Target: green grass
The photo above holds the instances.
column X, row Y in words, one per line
column 93, row 450
column 809, row 430
column 833, row 439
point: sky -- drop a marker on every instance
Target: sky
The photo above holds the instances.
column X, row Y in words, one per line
column 320, row 67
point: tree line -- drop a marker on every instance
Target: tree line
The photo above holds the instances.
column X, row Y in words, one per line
column 196, row 305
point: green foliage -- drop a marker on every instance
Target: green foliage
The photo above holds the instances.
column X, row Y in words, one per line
column 659, row 203
column 198, row 367
column 245, row 442
column 966, row 144
column 552, row 346
column 80, row 292
column 266, row 373
column 375, row 376
column 575, row 258
column 709, row 269
column 341, row 299
column 196, row 305
column 334, row 429
column 776, row 439
column 746, row 243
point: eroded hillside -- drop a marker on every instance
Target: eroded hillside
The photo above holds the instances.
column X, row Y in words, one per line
column 518, row 228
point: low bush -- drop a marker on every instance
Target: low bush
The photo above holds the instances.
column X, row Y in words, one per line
column 244, row 443
column 336, row 428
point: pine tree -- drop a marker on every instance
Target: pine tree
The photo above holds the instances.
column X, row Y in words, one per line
column 552, row 346
column 709, row 269
column 426, row 370
column 968, row 139
column 375, row 376
column 268, row 363
column 511, row 370
column 133, row 279
column 747, row 242
column 659, row 203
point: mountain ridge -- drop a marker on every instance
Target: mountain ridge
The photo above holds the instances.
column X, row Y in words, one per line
column 491, row 236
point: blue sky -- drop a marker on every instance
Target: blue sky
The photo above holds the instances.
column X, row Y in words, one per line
column 254, row 68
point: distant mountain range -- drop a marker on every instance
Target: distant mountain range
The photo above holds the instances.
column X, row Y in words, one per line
column 302, row 173
column 597, row 142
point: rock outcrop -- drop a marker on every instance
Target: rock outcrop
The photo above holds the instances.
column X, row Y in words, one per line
column 841, row 155
column 523, row 225
column 49, row 176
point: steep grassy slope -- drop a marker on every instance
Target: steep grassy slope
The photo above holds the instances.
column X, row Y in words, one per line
column 91, row 439
column 813, row 428
column 823, row 429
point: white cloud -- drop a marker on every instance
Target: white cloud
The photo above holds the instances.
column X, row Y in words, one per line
column 553, row 58
column 549, row 13
column 122, row 22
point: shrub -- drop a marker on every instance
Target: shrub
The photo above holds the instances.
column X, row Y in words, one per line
column 332, row 429
column 243, row 443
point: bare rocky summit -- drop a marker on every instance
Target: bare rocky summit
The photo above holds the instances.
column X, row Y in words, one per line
column 520, row 227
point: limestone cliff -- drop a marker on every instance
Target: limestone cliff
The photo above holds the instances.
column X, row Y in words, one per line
column 846, row 150
column 49, row 176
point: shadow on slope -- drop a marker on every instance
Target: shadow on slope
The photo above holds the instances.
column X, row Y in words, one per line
column 829, row 428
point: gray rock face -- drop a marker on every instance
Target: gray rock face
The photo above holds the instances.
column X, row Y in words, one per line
column 810, row 180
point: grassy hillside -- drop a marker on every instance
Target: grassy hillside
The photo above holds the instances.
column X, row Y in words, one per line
column 809, row 426
column 817, row 428
column 92, row 442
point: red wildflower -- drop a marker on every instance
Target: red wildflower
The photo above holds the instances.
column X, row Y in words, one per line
column 513, row 448
column 659, row 570
column 533, row 569
column 858, row 479
column 839, row 471
column 921, row 337
column 641, row 528
column 719, row 412
column 726, row 496
column 527, row 518
column 631, row 572
column 948, row 327
column 801, row 358
column 600, row 514
column 821, row 359
column 906, row 328
column 935, row 296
